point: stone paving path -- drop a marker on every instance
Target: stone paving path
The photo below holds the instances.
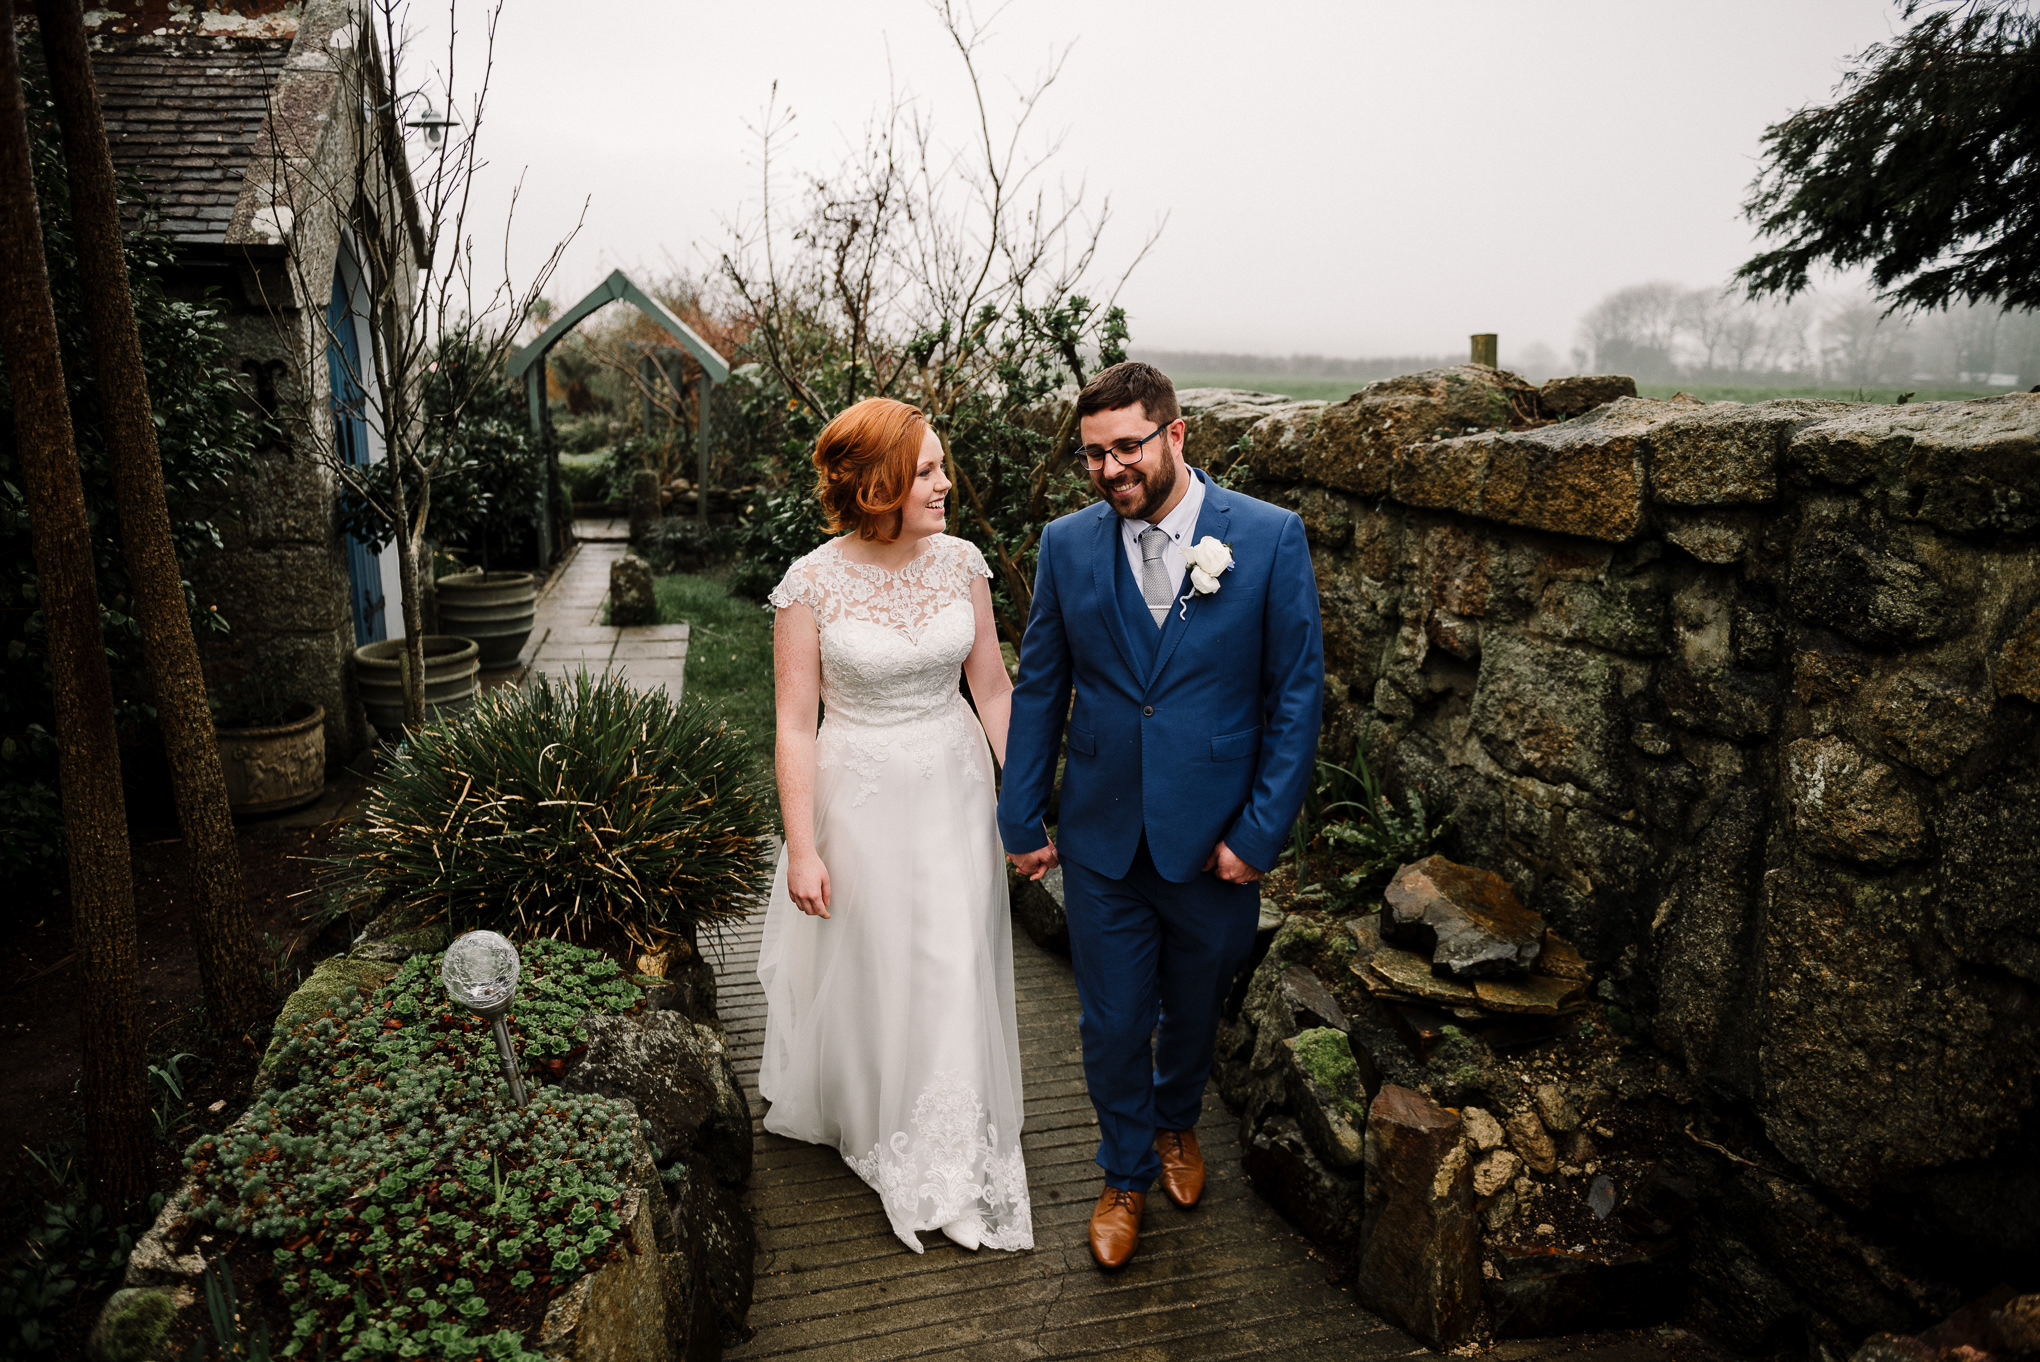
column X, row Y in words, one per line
column 568, row 633
column 1228, row 1279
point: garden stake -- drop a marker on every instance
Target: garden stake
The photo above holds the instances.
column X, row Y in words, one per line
column 480, row 973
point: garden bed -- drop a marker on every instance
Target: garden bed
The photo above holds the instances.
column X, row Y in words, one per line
column 386, row 1197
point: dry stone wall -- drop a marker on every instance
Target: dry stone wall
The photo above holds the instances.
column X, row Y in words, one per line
column 1742, row 699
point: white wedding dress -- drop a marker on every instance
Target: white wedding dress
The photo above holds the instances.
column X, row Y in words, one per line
column 889, row 1028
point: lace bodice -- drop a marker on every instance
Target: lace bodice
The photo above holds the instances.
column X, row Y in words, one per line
column 893, row 645
column 892, row 642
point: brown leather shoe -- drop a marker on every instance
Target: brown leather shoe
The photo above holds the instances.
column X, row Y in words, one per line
column 1115, row 1226
column 1182, row 1166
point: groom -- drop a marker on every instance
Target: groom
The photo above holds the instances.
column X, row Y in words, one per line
column 1184, row 617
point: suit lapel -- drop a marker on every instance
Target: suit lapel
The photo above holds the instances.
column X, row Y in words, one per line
column 1212, row 520
column 1105, row 544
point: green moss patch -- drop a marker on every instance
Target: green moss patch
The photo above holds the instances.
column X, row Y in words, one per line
column 1327, row 1057
column 404, row 1206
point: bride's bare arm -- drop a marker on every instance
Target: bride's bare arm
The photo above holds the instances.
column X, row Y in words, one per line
column 991, row 689
column 797, row 692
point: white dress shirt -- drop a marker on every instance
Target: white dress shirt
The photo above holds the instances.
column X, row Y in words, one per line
column 1179, row 524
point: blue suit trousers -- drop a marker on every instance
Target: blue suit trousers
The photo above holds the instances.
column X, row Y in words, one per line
column 1154, row 960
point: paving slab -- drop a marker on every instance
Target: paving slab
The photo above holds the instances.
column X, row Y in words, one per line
column 568, row 635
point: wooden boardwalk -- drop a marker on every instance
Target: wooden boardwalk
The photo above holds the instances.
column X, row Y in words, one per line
column 1228, row 1279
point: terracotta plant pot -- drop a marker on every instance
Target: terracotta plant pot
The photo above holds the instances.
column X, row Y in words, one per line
column 278, row 766
column 495, row 609
column 452, row 674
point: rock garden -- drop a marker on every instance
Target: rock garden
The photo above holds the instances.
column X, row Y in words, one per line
column 383, row 1194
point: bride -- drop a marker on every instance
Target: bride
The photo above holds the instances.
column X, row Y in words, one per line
column 887, row 959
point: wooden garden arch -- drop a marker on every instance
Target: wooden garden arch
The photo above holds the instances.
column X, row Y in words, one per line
column 529, row 365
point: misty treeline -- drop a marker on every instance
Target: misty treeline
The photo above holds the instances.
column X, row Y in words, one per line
column 1661, row 332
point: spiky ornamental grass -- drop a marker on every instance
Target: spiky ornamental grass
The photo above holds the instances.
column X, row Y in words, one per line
column 564, row 808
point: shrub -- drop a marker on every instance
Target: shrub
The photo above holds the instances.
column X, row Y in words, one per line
column 777, row 528
column 407, row 1208
column 585, row 477
column 485, row 493
column 681, row 544
column 567, row 809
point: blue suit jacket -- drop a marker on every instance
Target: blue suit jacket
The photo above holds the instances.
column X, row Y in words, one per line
column 1217, row 741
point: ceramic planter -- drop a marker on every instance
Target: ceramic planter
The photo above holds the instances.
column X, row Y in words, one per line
column 495, row 609
column 277, row 766
column 452, row 673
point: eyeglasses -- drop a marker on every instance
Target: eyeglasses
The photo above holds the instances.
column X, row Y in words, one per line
column 1127, row 452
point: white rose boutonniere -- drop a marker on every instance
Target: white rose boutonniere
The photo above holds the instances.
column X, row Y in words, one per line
column 1208, row 559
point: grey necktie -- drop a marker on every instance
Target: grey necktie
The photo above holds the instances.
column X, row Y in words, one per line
column 1155, row 585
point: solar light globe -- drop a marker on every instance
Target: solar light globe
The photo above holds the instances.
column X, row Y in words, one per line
column 480, row 971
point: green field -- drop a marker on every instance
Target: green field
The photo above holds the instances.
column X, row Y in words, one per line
column 1319, row 389
column 1339, row 389
column 1708, row 392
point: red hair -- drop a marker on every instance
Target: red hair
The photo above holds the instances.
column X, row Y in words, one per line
column 864, row 467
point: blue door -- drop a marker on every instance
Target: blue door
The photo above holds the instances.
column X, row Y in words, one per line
column 350, row 416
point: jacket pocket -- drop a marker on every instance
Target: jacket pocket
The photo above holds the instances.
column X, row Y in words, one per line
column 1083, row 741
column 1234, row 746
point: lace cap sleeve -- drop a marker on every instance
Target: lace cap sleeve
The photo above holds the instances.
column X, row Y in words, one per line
column 797, row 587
column 974, row 560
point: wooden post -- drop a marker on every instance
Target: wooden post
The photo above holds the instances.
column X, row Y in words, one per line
column 648, row 374
column 701, row 452
column 1485, row 349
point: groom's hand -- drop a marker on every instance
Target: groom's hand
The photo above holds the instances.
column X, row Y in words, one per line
column 1034, row 864
column 1229, row 867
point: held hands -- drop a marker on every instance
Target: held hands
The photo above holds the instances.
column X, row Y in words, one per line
column 807, row 884
column 1229, row 867
column 1035, row 864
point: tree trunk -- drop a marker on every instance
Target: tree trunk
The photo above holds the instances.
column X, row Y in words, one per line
column 412, row 608
column 95, row 816
column 235, row 995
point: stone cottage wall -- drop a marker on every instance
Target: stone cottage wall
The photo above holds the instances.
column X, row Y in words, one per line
column 281, row 576
column 1742, row 698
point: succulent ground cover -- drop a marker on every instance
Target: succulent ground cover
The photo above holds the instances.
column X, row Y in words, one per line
column 388, row 1200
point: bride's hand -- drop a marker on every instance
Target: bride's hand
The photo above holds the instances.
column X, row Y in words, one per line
column 807, row 884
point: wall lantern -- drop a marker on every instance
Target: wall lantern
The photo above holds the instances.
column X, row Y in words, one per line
column 480, row 973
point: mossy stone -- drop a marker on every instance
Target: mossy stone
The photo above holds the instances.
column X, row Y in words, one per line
column 1297, row 940
column 328, row 981
column 1327, row 1057
column 132, row 1326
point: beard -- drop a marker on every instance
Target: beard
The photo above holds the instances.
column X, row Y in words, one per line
column 1156, row 488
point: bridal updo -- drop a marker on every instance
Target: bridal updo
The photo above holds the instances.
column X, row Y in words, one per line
column 864, row 467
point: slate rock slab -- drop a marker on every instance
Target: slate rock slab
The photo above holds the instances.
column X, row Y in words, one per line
column 1540, row 1291
column 677, row 1072
column 1280, row 1163
column 1419, row 1240
column 1468, row 919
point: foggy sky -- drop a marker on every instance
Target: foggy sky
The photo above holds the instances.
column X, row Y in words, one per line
column 1341, row 178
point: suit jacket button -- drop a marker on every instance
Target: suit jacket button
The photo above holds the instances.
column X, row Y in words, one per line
column 1148, row 710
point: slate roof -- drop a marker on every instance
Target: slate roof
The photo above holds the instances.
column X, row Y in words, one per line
column 187, row 115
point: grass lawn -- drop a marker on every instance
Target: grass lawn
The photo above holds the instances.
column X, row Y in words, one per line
column 729, row 653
